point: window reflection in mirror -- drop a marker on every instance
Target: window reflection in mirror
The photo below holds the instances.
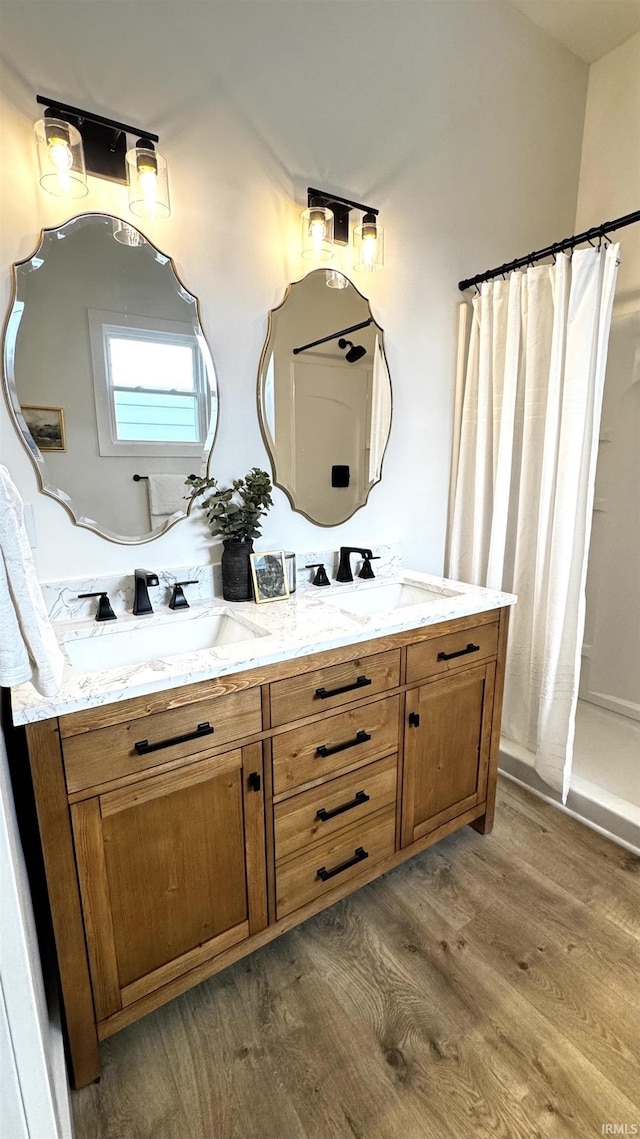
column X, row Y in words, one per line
column 106, row 331
column 325, row 407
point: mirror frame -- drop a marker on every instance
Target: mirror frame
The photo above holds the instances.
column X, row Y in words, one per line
column 15, row 410
column 261, row 418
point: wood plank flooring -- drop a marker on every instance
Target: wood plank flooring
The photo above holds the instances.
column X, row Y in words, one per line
column 488, row 988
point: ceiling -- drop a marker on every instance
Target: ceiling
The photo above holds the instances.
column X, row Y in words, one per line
column 589, row 28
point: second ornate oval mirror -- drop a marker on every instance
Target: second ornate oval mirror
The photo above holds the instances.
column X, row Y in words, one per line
column 324, row 396
column 109, row 378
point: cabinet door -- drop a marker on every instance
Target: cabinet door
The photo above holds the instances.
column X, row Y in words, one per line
column 172, row 872
column 447, row 740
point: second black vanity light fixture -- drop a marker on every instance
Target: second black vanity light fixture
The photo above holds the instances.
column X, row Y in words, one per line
column 326, row 221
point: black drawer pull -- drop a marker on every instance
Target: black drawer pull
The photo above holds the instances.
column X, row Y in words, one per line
column 323, row 815
column 143, row 746
column 324, row 694
column 471, row 648
column 414, row 719
column 324, row 751
column 359, row 856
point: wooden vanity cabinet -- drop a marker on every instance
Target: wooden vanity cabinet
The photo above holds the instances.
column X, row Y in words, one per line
column 182, row 829
column 165, row 867
column 446, row 755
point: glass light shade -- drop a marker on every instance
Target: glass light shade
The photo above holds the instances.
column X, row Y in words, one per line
column 148, row 183
column 317, row 233
column 127, row 234
column 336, row 280
column 60, row 158
column 368, row 240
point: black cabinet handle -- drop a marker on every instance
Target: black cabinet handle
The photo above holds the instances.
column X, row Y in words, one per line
column 324, row 751
column 323, row 815
column 359, row 856
column 414, row 720
column 471, row 648
column 143, row 746
column 324, row 694
column 255, row 782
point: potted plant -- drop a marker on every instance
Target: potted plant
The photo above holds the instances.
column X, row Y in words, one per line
column 235, row 514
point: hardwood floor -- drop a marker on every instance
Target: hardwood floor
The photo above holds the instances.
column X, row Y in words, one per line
column 488, row 988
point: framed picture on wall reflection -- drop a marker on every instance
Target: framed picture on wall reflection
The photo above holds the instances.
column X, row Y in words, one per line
column 269, row 573
column 46, row 425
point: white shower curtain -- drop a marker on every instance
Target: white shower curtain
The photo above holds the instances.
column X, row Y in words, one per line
column 525, row 478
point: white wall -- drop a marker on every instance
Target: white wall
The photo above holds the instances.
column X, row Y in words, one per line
column 610, row 167
column 461, row 121
column 609, row 188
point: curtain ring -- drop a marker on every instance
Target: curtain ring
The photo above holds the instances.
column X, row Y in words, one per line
column 477, row 288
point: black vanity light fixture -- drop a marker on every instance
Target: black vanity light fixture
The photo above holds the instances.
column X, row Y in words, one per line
column 326, row 221
column 73, row 143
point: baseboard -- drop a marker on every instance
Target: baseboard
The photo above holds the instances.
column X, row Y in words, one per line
column 600, row 818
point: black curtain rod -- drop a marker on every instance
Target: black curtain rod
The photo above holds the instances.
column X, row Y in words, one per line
column 558, row 247
column 333, row 335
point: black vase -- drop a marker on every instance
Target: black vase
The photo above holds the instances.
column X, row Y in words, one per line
column 236, row 569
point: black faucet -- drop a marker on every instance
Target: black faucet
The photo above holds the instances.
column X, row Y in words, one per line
column 344, row 569
column 141, row 580
column 105, row 612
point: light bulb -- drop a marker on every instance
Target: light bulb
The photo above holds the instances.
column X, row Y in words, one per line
column 149, row 186
column 317, row 233
column 369, row 248
column 369, row 243
column 60, row 153
column 60, row 158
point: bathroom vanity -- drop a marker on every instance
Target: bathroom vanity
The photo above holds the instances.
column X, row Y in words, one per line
column 185, row 827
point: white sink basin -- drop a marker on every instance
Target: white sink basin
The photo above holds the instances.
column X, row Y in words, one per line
column 368, row 600
column 118, row 647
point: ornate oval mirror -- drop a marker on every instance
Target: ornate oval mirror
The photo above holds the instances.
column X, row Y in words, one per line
column 108, row 377
column 324, row 397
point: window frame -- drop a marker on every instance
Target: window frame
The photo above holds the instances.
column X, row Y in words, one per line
column 104, row 324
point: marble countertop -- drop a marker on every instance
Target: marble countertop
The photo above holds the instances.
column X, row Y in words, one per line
column 309, row 622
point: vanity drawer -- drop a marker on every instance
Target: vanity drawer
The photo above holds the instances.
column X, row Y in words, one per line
column 328, row 688
column 345, row 855
column 321, row 812
column 456, row 650
column 110, row 753
column 338, row 743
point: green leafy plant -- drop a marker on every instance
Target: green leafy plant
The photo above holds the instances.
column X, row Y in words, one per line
column 235, row 512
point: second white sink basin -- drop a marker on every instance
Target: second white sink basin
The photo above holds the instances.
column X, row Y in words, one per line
column 368, row 600
column 118, row 647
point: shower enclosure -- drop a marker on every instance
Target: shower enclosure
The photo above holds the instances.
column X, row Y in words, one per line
column 606, row 764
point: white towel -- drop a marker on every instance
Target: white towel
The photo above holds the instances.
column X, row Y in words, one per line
column 28, row 646
column 167, row 493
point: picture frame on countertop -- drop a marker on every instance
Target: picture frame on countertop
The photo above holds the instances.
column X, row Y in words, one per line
column 269, row 575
